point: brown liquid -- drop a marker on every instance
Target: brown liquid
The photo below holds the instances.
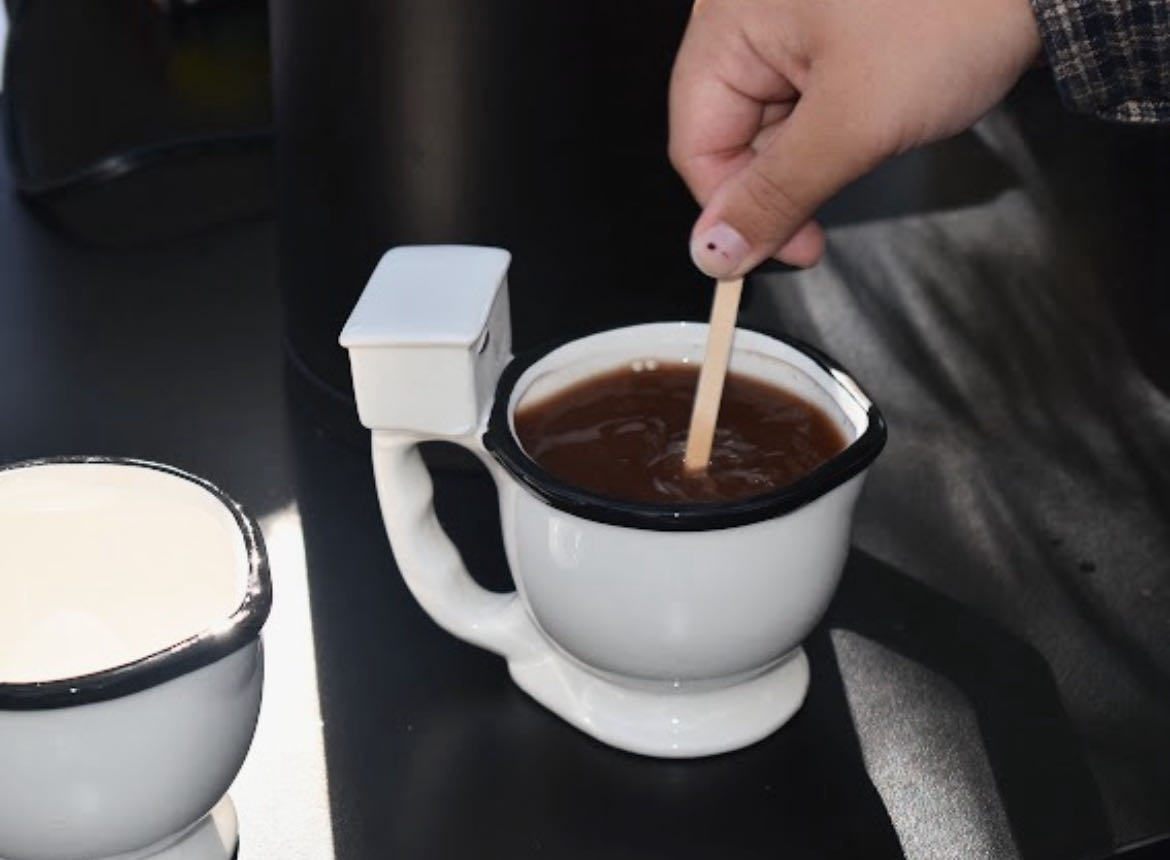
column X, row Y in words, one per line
column 622, row 434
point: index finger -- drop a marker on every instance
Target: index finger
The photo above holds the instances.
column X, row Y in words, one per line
column 722, row 95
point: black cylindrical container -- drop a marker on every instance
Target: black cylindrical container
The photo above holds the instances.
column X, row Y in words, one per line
column 532, row 125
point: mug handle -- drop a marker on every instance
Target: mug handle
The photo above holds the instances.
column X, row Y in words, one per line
column 427, row 340
column 430, row 563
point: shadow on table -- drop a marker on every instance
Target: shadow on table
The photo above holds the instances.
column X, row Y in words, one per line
column 951, row 174
column 1045, row 786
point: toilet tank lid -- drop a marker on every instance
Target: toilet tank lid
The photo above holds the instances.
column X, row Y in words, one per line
column 427, row 295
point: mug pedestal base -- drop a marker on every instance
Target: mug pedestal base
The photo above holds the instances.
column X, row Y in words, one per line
column 213, row 837
column 667, row 723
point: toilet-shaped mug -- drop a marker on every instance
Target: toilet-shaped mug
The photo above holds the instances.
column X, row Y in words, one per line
column 132, row 597
column 669, row 630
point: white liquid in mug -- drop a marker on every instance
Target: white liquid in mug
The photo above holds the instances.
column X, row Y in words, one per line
column 102, row 564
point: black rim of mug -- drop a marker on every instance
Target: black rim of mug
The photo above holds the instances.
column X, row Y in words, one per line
column 202, row 649
column 690, row 516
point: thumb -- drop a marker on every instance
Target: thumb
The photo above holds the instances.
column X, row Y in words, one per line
column 765, row 208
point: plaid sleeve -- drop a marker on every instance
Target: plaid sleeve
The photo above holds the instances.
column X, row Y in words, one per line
column 1110, row 58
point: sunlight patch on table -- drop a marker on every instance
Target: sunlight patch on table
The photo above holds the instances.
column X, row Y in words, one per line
column 282, row 792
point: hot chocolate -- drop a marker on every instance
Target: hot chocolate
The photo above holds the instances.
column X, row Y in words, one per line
column 622, row 435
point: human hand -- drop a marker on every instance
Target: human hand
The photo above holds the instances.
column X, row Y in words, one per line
column 775, row 105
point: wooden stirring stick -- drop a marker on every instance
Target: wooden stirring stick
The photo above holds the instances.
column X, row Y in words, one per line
column 709, row 393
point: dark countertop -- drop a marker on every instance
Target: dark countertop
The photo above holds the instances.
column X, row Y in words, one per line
column 382, row 736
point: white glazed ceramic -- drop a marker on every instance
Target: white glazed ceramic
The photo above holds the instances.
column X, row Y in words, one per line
column 132, row 756
column 670, row 631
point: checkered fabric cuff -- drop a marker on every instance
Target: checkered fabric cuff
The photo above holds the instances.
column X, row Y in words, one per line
column 1110, row 58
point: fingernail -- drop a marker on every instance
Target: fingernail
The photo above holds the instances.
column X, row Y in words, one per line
column 719, row 250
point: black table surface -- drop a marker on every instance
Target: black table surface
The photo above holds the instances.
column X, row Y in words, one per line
column 382, row 736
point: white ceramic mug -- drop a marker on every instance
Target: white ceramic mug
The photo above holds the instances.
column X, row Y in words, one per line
column 667, row 630
column 131, row 600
